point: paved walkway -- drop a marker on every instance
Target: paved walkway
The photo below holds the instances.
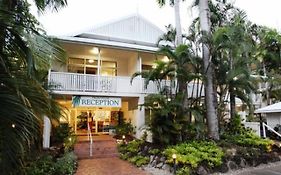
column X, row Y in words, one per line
column 105, row 159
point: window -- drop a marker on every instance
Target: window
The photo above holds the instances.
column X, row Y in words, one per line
column 90, row 66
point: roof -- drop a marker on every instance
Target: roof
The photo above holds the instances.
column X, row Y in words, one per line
column 132, row 32
column 270, row 109
column 133, row 27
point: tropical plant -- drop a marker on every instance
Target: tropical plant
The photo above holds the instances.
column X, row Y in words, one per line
column 205, row 25
column 25, row 52
column 176, row 5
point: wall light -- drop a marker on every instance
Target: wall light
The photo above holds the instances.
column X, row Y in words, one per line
column 95, row 50
column 91, row 61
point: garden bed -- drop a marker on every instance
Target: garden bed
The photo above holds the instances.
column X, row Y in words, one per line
column 202, row 157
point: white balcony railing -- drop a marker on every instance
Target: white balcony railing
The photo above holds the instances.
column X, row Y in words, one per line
column 65, row 81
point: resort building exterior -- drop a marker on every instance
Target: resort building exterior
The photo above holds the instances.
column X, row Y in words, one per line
column 95, row 85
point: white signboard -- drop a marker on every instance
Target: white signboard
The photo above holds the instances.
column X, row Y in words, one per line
column 88, row 101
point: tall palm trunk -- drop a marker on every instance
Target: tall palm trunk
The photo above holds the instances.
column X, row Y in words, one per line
column 204, row 16
column 178, row 23
column 232, row 102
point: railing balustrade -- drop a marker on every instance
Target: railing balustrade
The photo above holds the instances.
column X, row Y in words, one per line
column 65, row 81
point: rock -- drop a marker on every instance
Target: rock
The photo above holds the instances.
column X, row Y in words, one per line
column 202, row 171
column 162, row 159
column 232, row 165
column 153, row 163
column 145, row 149
column 151, row 158
column 160, row 165
column 166, row 167
column 243, row 163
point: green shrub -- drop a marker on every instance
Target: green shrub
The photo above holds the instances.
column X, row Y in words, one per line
column 46, row 164
column 250, row 139
column 69, row 143
column 183, row 171
column 154, row 151
column 42, row 166
column 125, row 128
column 139, row 160
column 195, row 153
column 66, row 165
column 61, row 133
column 133, row 147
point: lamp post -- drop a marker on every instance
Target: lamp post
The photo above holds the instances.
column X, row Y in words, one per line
column 174, row 156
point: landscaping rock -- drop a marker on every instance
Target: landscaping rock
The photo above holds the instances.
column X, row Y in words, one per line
column 151, row 158
column 166, row 167
column 162, row 159
column 202, row 171
column 243, row 163
column 153, row 163
column 232, row 165
column 160, row 165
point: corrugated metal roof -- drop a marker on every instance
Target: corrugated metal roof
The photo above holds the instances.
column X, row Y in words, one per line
column 131, row 28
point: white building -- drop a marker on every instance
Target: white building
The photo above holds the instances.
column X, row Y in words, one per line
column 96, row 80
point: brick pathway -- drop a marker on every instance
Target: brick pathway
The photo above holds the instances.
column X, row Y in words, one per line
column 105, row 159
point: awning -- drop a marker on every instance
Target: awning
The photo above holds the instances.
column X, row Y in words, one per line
column 274, row 108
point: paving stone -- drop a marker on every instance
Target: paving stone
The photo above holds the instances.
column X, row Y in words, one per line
column 105, row 160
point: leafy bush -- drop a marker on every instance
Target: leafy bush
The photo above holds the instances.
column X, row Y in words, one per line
column 250, row 139
column 43, row 165
column 46, row 164
column 154, row 151
column 139, row 160
column 195, row 153
column 131, row 152
column 66, row 165
column 125, row 128
column 61, row 133
column 132, row 147
column 183, row 171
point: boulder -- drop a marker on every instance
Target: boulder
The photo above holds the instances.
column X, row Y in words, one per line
column 202, row 171
column 232, row 165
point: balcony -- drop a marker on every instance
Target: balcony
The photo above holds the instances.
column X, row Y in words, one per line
column 64, row 81
column 75, row 82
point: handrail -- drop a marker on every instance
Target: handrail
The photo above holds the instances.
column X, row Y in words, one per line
column 90, row 138
column 271, row 129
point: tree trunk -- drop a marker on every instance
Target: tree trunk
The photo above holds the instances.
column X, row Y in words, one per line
column 178, row 23
column 213, row 129
column 232, row 102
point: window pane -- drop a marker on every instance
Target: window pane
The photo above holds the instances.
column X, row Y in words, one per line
column 109, row 64
column 75, row 61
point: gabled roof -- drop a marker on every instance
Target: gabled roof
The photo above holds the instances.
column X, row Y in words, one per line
column 270, row 109
column 133, row 28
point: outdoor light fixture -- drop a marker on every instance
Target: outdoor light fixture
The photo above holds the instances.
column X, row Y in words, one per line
column 95, row 50
column 169, row 99
column 13, row 125
column 174, row 156
column 165, row 59
column 69, row 139
column 91, row 61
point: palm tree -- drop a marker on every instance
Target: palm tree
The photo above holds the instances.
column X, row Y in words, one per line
column 176, row 5
column 24, row 54
column 205, row 24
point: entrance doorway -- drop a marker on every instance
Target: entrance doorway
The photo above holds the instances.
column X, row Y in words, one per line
column 96, row 121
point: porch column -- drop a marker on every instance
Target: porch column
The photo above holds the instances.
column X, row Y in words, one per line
column 139, row 69
column 46, row 132
column 99, row 68
column 140, row 120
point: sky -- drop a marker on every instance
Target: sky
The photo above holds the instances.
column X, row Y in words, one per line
column 81, row 15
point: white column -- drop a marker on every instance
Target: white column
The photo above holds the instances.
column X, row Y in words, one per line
column 99, row 69
column 46, row 132
column 140, row 120
column 139, row 69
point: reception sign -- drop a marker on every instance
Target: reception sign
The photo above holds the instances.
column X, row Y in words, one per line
column 88, row 101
